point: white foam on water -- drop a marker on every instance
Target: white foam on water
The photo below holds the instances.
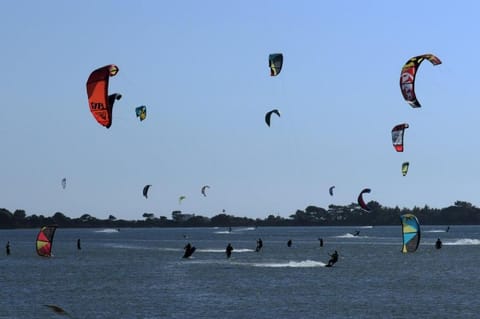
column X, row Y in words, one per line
column 292, row 264
column 348, row 235
column 463, row 242
column 215, row 250
column 107, row 230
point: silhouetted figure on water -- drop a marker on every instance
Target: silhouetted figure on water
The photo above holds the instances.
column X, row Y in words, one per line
column 229, row 250
column 259, row 245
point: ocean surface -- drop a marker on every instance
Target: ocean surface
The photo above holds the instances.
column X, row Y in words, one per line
column 139, row 273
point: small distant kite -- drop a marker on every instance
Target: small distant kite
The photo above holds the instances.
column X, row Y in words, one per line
column 64, row 183
column 204, row 188
column 275, row 62
column 101, row 104
column 58, row 310
column 360, row 200
column 268, row 115
column 181, row 198
column 145, row 190
column 408, row 74
column 397, row 136
column 330, row 190
column 405, row 166
column 141, row 112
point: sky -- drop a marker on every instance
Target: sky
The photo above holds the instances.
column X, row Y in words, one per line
column 201, row 68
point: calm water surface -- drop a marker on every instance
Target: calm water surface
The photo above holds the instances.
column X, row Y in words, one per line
column 139, row 273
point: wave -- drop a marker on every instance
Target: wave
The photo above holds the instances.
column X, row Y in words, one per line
column 348, row 235
column 222, row 232
column 292, row 264
column 435, row 231
column 365, row 227
column 244, row 229
column 214, row 250
column 107, row 230
column 463, row 242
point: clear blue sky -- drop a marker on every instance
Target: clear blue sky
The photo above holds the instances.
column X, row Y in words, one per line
column 201, row 69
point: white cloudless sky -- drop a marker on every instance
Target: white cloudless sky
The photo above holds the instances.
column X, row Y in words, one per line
column 201, row 68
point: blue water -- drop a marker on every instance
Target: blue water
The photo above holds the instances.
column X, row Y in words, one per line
column 139, row 273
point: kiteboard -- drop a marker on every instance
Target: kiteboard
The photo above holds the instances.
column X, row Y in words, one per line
column 189, row 252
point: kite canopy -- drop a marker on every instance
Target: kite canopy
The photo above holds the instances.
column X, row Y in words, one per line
column 405, row 166
column 45, row 240
column 204, row 188
column 408, row 74
column 397, row 136
column 275, row 62
column 145, row 190
column 268, row 115
column 141, row 112
column 360, row 200
column 101, row 104
column 181, row 198
column 330, row 190
column 410, row 233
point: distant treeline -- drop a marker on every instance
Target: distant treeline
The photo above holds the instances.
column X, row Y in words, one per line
column 461, row 213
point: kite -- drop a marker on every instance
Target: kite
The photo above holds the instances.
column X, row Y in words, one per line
column 275, row 62
column 64, row 183
column 405, row 168
column 268, row 115
column 360, row 200
column 181, row 198
column 141, row 112
column 45, row 240
column 101, row 104
column 397, row 136
column 204, row 188
column 410, row 233
column 330, row 190
column 145, row 190
column 407, row 77
column 58, row 310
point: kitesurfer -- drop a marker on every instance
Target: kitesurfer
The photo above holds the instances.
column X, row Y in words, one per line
column 259, row 245
column 7, row 248
column 321, row 242
column 438, row 243
column 448, row 228
column 289, row 243
column 188, row 250
column 78, row 244
column 229, row 250
column 333, row 259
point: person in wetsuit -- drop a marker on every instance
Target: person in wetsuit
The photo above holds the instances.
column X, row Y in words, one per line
column 259, row 245
column 7, row 248
column 289, row 243
column 333, row 259
column 229, row 250
column 189, row 249
column 438, row 243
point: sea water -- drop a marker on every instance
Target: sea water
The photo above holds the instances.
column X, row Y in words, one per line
column 139, row 273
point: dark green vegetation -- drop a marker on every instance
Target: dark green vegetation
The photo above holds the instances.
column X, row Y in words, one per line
column 461, row 213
